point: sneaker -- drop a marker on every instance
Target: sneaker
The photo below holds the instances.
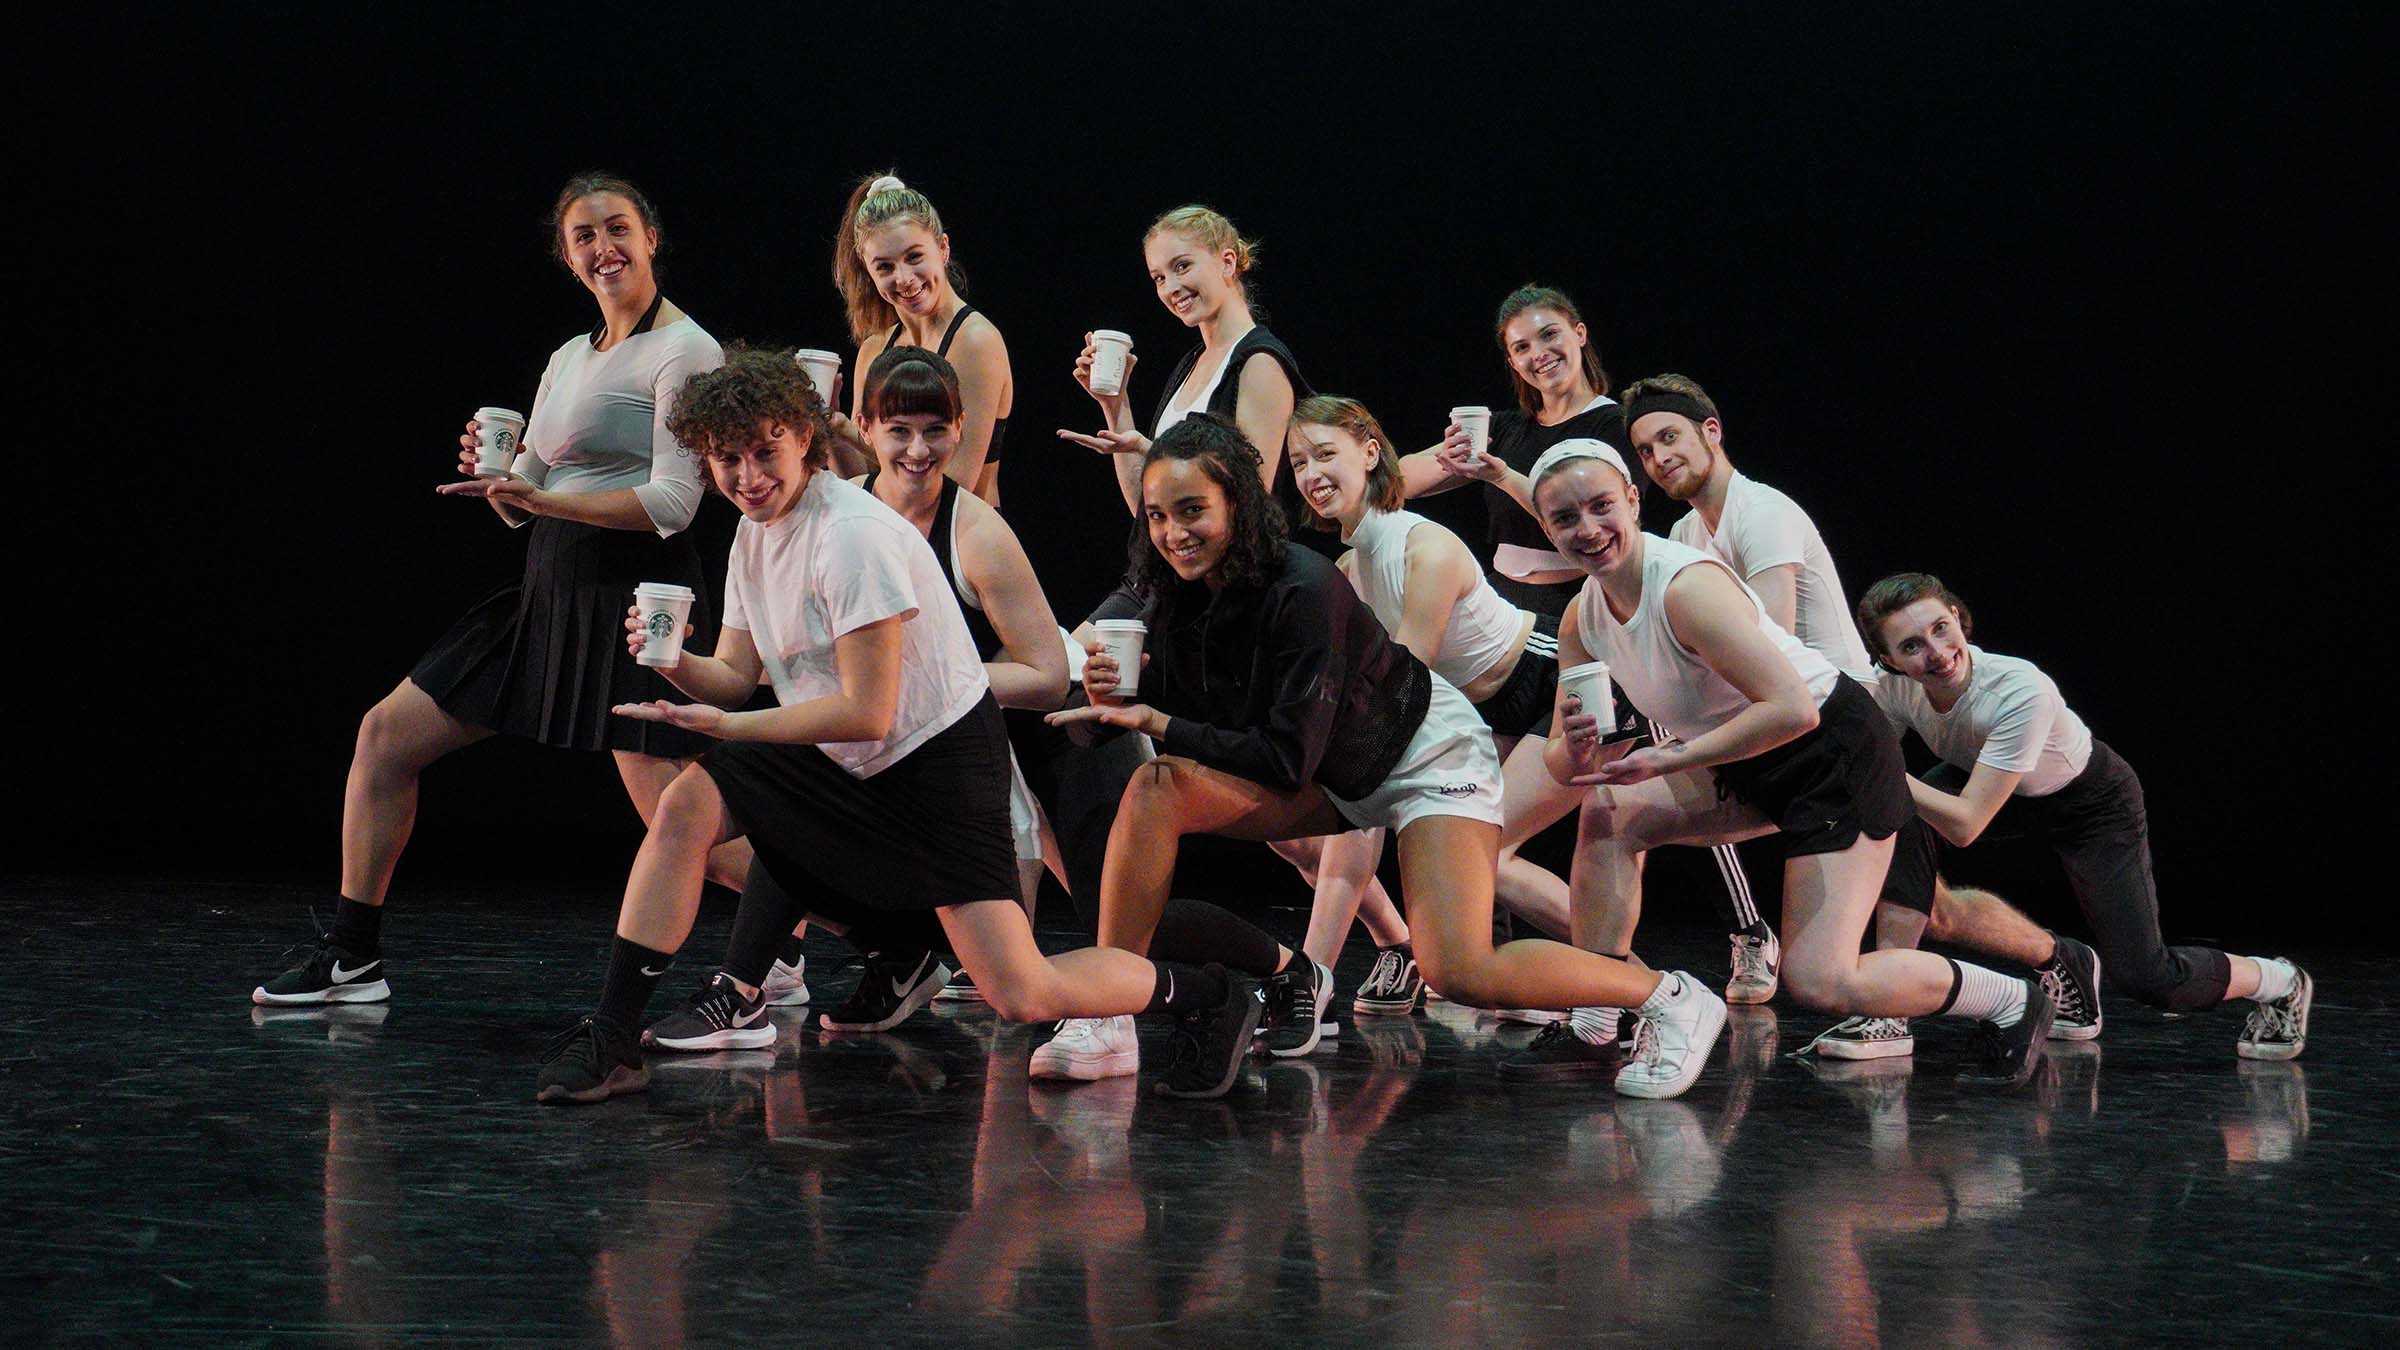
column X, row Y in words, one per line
column 2072, row 980
column 1392, row 986
column 330, row 974
column 1866, row 1038
column 1558, row 1053
column 893, row 986
column 590, row 1061
column 2279, row 1030
column 1757, row 963
column 1671, row 1044
column 784, row 987
column 1088, row 1049
column 2011, row 1054
column 1529, row 1017
column 716, row 1018
column 961, row 989
column 1296, row 999
column 1205, row 1055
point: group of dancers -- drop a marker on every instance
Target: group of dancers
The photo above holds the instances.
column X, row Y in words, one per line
column 1321, row 670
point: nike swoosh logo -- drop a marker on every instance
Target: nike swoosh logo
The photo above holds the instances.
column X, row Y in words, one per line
column 341, row 976
column 654, row 974
column 899, row 987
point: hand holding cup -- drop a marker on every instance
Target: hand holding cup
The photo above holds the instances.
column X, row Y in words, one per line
column 1458, row 457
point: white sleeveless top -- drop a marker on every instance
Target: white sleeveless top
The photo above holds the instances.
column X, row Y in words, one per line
column 1483, row 625
column 1667, row 682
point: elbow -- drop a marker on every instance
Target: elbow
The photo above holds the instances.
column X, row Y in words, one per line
column 1803, row 718
column 1053, row 693
column 1961, row 836
column 872, row 723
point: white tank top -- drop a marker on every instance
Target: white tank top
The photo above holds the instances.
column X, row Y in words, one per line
column 1483, row 625
column 1667, row 682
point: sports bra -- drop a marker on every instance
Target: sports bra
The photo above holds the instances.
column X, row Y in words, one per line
column 999, row 424
column 944, row 539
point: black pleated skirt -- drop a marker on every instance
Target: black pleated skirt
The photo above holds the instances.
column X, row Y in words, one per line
column 545, row 659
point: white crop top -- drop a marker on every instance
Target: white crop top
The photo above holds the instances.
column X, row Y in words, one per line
column 1483, row 625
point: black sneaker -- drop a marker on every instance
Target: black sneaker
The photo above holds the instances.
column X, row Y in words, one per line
column 2072, row 980
column 1557, row 1053
column 328, row 974
column 961, row 989
column 893, row 986
column 716, row 1018
column 2279, row 1030
column 1392, row 987
column 1204, row 1055
column 590, row 1061
column 2010, row 1054
column 1296, row 999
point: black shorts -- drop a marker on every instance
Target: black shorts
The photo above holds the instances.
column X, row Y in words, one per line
column 2106, row 796
column 1525, row 702
column 931, row 830
column 1844, row 779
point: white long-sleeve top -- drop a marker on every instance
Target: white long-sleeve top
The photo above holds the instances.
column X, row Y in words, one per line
column 600, row 421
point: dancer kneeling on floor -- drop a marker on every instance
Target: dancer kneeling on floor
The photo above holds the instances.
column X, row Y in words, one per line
column 1285, row 711
column 1769, row 737
column 886, row 730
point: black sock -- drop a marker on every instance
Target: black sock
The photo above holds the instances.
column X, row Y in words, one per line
column 1195, row 930
column 793, row 949
column 1758, row 930
column 633, row 973
column 1186, row 989
column 357, row 928
column 762, row 923
column 1298, row 960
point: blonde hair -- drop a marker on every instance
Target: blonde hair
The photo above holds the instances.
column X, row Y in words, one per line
column 1208, row 227
column 1385, row 490
column 880, row 199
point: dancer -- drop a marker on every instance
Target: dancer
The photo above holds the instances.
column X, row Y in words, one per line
column 892, row 264
column 1770, row 737
column 1286, row 711
column 1562, row 391
column 2017, row 761
column 609, row 494
column 877, row 789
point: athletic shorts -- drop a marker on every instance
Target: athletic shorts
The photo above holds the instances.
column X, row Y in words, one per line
column 928, row 831
column 1843, row 779
column 1450, row 768
column 1525, row 702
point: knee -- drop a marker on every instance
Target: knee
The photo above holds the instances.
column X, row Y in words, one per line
column 689, row 810
column 1021, row 1000
column 1607, row 818
column 383, row 735
column 1815, row 984
column 1463, row 978
column 1155, row 789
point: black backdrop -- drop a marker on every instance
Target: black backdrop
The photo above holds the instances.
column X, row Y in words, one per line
column 2064, row 306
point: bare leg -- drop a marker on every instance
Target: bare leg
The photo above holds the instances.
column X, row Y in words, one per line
column 397, row 739
column 1899, row 928
column 1446, row 866
column 995, row 943
column 1342, row 868
column 1828, row 898
column 1619, row 824
column 1531, row 801
column 646, row 776
column 1168, row 798
column 662, row 894
column 1983, row 922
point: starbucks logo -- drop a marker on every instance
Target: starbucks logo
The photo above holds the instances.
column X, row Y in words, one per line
column 661, row 625
column 504, row 441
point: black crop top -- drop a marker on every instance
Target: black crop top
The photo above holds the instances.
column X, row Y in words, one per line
column 1517, row 441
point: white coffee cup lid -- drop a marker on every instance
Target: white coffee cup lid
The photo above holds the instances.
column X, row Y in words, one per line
column 664, row 590
column 1106, row 334
column 1475, row 408
column 498, row 415
column 1582, row 672
column 808, row 354
column 1120, row 626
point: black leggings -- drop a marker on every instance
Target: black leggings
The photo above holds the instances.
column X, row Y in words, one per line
column 2101, row 832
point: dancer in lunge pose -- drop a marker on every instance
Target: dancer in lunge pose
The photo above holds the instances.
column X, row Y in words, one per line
column 608, row 493
column 1286, row 711
column 886, row 740
column 2017, row 761
column 1769, row 737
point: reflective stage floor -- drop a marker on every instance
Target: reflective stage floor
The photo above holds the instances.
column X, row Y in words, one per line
column 181, row 1167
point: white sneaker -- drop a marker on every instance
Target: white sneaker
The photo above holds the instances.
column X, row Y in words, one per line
column 1672, row 1039
column 1757, row 963
column 1866, row 1038
column 784, row 987
column 1088, row 1049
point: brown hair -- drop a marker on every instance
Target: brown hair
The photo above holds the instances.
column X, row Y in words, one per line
column 592, row 184
column 1385, row 490
column 756, row 384
column 1531, row 296
column 870, row 209
column 1897, row 592
column 1208, row 227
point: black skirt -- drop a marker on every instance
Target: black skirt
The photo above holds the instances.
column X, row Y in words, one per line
column 545, row 659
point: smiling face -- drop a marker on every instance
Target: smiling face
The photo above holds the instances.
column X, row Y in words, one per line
column 1330, row 467
column 763, row 473
column 1545, row 349
column 606, row 244
column 1677, row 454
column 909, row 263
column 914, row 448
column 1927, row 641
column 1190, row 521
column 1591, row 514
column 1191, row 282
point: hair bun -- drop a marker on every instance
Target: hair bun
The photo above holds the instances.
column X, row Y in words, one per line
column 887, row 183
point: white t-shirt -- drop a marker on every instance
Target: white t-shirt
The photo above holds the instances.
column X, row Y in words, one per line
column 1763, row 528
column 838, row 561
column 2011, row 717
column 599, row 421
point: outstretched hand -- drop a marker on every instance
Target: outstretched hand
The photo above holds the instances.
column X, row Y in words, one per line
column 1636, row 766
column 1108, row 442
column 511, row 491
column 1139, row 717
column 705, row 718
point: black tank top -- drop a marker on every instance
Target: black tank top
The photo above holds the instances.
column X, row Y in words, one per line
column 999, row 424
column 1517, row 441
column 944, row 540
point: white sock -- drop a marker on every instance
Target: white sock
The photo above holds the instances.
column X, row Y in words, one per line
column 1594, row 1026
column 1986, row 995
column 2276, row 977
column 1670, row 988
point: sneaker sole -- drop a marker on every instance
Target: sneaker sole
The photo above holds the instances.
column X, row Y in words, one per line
column 917, row 998
column 1251, row 1010
column 1512, row 1072
column 620, row 1080
column 340, row 993
column 1712, row 1021
column 1316, row 1030
column 1752, row 994
column 2275, row 1053
column 1854, row 1050
column 731, row 1038
column 1383, row 1007
column 1087, row 1068
column 1528, row 1017
column 2044, row 1016
column 970, row 994
column 790, row 998
column 2074, row 1031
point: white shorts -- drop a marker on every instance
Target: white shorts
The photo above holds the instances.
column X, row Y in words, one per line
column 1449, row 769
column 1024, row 814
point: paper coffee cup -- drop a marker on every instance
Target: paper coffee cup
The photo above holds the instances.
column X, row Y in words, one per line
column 499, row 434
column 1109, row 350
column 1589, row 682
column 1122, row 639
column 665, row 608
column 823, row 369
column 1477, row 423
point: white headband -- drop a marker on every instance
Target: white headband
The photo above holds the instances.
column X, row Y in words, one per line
column 1558, row 456
column 887, row 183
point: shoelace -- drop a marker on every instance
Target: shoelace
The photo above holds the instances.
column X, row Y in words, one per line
column 1861, row 1027
column 1646, row 1049
column 1385, row 978
column 2273, row 1021
column 2065, row 995
column 1750, row 959
column 565, row 1040
column 1077, row 1031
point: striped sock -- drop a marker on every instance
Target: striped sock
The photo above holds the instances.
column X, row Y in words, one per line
column 1986, row 995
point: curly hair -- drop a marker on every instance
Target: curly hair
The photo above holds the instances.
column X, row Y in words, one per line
column 756, row 384
column 592, row 184
column 1260, row 536
column 1532, row 296
column 1897, row 592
